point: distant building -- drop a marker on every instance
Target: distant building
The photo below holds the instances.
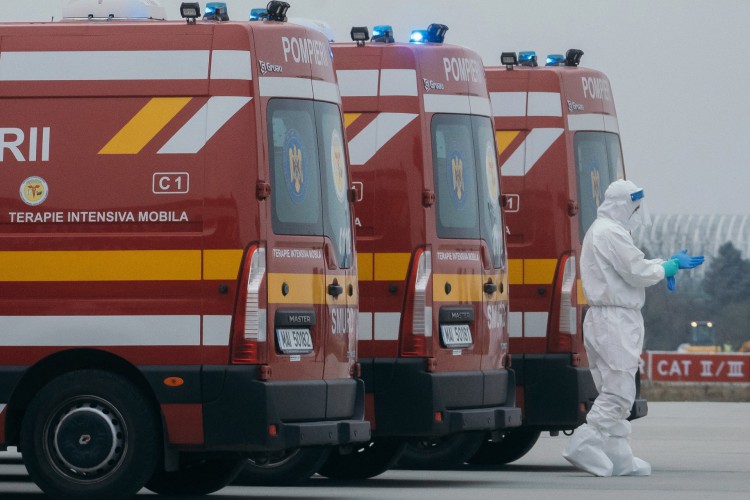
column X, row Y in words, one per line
column 700, row 234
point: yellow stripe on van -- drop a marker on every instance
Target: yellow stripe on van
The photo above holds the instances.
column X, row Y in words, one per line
column 350, row 118
column 391, row 266
column 301, row 288
column 365, row 266
column 463, row 287
column 531, row 271
column 504, row 138
column 105, row 265
column 581, row 294
column 221, row 264
column 153, row 117
column 539, row 271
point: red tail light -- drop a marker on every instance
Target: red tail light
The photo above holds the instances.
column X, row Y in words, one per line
column 249, row 332
column 564, row 323
column 416, row 323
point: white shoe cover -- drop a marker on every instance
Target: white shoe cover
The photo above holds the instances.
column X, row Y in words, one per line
column 624, row 463
column 638, row 467
column 584, row 450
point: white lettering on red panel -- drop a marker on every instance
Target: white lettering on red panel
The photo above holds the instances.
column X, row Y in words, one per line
column 17, row 143
column 305, row 50
column 596, row 88
column 681, row 367
column 462, row 69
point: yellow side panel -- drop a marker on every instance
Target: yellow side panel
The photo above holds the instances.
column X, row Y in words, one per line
column 301, row 288
column 221, row 264
column 539, row 271
column 391, row 266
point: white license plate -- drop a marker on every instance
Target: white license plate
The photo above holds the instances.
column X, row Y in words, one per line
column 456, row 335
column 294, row 340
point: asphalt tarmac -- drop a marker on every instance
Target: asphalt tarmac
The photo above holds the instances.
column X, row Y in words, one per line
column 697, row 451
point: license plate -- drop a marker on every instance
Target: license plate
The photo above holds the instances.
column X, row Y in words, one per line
column 456, row 335
column 294, row 340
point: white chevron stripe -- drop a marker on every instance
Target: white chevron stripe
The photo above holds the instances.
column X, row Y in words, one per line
column 381, row 130
column 523, row 159
column 204, row 124
column 231, row 65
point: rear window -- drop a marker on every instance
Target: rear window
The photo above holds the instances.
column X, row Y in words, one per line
column 466, row 181
column 306, row 151
column 598, row 164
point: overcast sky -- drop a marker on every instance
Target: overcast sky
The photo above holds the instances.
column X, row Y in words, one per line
column 679, row 71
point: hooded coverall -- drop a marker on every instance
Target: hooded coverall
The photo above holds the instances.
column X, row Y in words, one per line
column 615, row 274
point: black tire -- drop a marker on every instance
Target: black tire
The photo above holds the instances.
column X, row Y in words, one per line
column 441, row 453
column 90, row 434
column 515, row 444
column 365, row 461
column 196, row 476
column 283, row 468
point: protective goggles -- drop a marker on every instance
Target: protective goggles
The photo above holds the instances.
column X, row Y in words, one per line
column 637, row 195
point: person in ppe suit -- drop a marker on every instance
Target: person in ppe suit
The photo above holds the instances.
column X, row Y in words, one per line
column 615, row 274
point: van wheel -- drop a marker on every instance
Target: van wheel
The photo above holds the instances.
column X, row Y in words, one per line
column 283, row 468
column 90, row 434
column 514, row 444
column 365, row 461
column 441, row 453
column 196, row 476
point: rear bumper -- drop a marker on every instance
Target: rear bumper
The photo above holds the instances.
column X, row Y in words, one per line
column 242, row 409
column 411, row 402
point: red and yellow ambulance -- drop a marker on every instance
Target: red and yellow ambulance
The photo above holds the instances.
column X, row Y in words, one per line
column 178, row 280
column 432, row 267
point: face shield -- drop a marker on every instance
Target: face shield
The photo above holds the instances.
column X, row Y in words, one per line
column 640, row 215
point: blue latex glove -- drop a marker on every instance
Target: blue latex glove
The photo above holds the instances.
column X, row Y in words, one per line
column 670, row 267
column 671, row 284
column 687, row 261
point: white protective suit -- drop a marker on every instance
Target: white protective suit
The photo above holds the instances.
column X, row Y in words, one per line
column 615, row 274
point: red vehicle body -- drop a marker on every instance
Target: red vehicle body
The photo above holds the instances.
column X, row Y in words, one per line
column 432, row 264
column 559, row 148
column 177, row 272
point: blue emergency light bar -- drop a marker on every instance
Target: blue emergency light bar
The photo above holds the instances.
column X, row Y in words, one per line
column 527, row 58
column 383, row 34
column 216, row 11
column 258, row 14
column 555, row 60
column 418, row 36
column 435, row 33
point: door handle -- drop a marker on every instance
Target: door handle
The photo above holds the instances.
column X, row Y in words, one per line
column 334, row 289
column 490, row 287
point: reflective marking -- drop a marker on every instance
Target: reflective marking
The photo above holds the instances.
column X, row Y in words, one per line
column 101, row 265
column 358, row 82
column 365, row 266
column 544, row 104
column 104, row 65
column 436, row 103
column 326, row 91
column 387, row 326
column 231, row 65
column 539, row 271
column 480, row 106
column 100, row 330
column 301, row 288
column 350, row 118
column 296, row 88
column 204, row 124
column 217, row 329
column 525, row 157
column 464, row 288
column 391, row 266
column 504, row 138
column 398, row 82
column 375, row 135
column 515, row 324
column 364, row 326
column 535, row 324
column 221, row 264
column 151, row 119
column 594, row 122
column 2, row 408
column 507, row 104
column 515, row 271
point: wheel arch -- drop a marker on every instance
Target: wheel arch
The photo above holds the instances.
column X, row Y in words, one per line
column 67, row 361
